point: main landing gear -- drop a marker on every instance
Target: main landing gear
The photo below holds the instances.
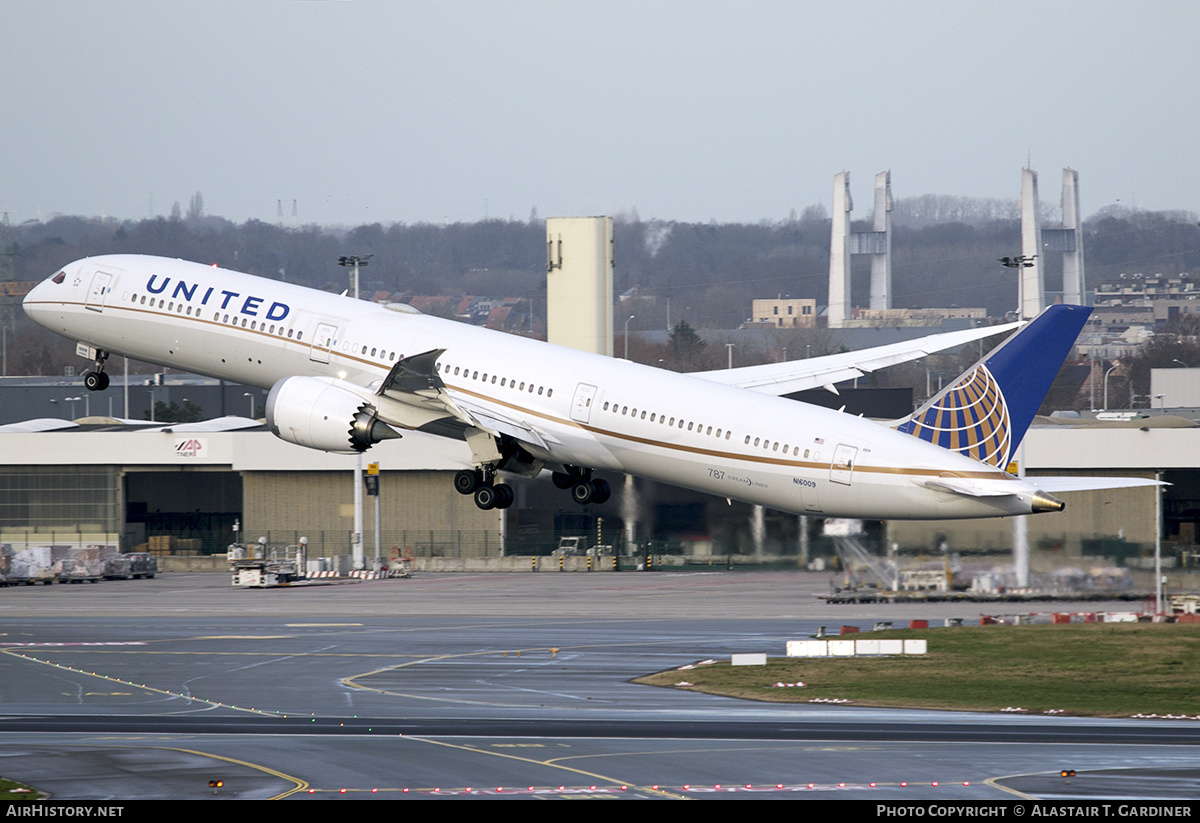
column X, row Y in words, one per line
column 492, row 495
column 97, row 380
column 482, row 484
column 583, row 488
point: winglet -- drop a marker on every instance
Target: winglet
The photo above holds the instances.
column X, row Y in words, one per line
column 985, row 413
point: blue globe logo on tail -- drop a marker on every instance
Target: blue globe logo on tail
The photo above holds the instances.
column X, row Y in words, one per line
column 971, row 419
column 985, row 413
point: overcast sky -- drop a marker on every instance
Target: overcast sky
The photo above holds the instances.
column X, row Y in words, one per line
column 374, row 110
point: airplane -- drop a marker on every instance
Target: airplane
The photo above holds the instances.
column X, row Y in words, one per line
column 345, row 374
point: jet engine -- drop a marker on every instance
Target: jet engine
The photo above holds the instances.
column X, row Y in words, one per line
column 323, row 415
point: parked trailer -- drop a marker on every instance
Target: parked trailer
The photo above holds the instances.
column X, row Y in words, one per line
column 130, row 566
column 258, row 567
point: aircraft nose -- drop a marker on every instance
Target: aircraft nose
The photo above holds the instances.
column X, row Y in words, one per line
column 39, row 298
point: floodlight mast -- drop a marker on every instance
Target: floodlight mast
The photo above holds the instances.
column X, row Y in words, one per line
column 356, row 544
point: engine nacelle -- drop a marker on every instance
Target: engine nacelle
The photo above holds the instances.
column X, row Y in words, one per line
column 323, row 415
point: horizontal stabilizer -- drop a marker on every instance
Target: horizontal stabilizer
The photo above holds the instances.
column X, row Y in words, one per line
column 956, row 485
column 1087, row 484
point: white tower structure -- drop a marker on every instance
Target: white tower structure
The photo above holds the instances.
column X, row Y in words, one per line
column 845, row 243
column 1032, row 287
column 1037, row 242
column 1069, row 240
column 880, row 245
column 839, row 252
column 579, row 283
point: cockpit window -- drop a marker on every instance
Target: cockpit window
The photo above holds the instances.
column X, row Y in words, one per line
column 59, row 278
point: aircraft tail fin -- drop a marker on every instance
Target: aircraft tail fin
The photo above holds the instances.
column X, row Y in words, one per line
column 985, row 413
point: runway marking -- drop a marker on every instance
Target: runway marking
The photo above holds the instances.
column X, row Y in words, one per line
column 351, row 680
column 547, row 763
column 991, row 781
column 298, row 783
column 153, row 690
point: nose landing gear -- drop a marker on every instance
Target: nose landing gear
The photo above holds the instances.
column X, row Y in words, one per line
column 97, row 380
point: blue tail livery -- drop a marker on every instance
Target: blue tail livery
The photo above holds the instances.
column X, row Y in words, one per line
column 985, row 413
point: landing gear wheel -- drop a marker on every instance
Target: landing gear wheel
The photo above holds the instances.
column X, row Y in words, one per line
column 95, row 381
column 562, row 480
column 600, row 491
column 466, row 481
column 582, row 492
column 486, row 497
column 505, row 496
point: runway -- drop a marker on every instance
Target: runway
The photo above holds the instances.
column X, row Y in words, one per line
column 501, row 686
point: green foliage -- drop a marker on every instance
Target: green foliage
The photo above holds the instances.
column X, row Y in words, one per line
column 10, row 790
column 183, row 412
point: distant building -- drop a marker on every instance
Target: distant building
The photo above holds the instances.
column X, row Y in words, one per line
column 785, row 313
column 1169, row 297
column 902, row 317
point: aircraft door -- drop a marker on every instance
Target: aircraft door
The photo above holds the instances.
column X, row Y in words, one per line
column 322, row 342
column 842, row 468
column 581, row 405
column 100, row 285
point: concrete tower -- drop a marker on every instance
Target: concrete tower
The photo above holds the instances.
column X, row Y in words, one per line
column 839, row 252
column 1032, row 289
column 1074, row 286
column 879, row 244
column 579, row 283
column 845, row 243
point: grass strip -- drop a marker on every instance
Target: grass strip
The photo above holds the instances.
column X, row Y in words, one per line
column 1100, row 670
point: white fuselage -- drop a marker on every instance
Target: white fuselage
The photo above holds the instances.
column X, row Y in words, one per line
column 587, row 410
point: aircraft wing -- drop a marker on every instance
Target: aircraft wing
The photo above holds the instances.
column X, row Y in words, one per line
column 824, row 372
column 414, row 383
column 499, row 423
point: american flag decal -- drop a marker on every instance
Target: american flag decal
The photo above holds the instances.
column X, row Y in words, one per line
column 971, row 419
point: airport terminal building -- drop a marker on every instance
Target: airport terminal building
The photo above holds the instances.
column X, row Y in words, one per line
column 196, row 488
